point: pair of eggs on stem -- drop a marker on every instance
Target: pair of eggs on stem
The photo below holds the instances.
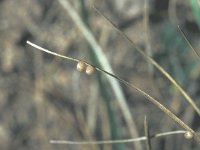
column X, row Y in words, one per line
column 82, row 66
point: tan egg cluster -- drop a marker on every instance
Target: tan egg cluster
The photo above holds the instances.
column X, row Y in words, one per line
column 82, row 66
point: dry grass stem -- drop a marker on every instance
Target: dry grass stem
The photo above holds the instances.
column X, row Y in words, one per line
column 150, row 98
column 188, row 42
column 147, row 35
column 143, row 138
column 147, row 134
column 172, row 12
column 152, row 61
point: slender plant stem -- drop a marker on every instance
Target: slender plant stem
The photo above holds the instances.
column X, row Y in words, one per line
column 106, row 66
column 143, row 138
column 188, row 42
column 152, row 61
column 104, row 87
column 150, row 98
column 147, row 134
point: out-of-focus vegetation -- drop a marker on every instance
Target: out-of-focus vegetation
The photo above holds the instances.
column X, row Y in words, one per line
column 43, row 97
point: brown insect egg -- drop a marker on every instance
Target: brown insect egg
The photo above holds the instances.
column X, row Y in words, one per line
column 188, row 135
column 81, row 66
column 90, row 70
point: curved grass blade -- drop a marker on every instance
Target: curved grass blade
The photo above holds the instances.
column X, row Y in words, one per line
column 152, row 61
column 150, row 98
column 188, row 42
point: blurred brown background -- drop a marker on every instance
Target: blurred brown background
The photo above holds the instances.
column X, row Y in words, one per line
column 44, row 97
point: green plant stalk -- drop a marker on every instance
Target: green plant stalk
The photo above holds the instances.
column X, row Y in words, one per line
column 106, row 66
column 105, row 92
column 113, row 119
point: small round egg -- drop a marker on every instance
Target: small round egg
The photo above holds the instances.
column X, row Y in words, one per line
column 89, row 70
column 81, row 66
column 188, row 135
